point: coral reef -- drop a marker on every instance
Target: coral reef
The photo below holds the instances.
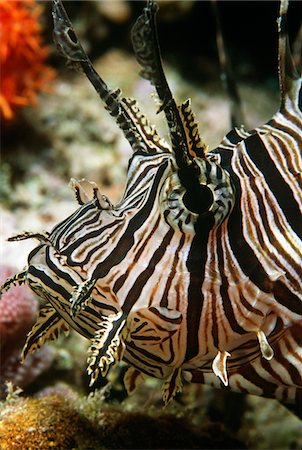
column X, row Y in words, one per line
column 54, row 422
column 131, row 430
column 18, row 309
column 22, row 56
column 48, row 422
column 59, row 417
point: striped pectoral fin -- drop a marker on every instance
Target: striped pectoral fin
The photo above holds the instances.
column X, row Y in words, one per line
column 48, row 327
column 172, row 385
column 107, row 346
column 132, row 379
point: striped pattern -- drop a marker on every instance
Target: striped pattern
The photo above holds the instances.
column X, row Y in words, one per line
column 196, row 274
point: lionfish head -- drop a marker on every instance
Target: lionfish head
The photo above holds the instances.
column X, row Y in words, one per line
column 182, row 186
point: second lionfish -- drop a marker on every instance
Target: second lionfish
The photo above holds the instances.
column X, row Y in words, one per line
column 195, row 275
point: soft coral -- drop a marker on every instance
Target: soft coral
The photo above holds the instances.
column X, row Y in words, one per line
column 22, row 56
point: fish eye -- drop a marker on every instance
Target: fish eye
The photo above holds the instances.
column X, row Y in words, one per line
column 201, row 202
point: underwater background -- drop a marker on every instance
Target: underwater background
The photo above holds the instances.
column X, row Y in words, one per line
column 54, row 127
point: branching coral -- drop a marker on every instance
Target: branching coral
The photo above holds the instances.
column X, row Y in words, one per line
column 18, row 311
column 22, row 56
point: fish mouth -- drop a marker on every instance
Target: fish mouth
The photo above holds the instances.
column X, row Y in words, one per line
column 46, row 286
column 49, row 277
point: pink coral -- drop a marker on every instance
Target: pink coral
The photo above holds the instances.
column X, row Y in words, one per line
column 18, row 310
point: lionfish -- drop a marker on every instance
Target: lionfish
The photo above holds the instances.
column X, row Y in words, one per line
column 195, row 275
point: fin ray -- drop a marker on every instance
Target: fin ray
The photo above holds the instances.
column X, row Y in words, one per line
column 107, row 346
column 48, row 327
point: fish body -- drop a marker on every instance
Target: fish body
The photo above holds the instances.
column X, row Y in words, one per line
column 195, row 275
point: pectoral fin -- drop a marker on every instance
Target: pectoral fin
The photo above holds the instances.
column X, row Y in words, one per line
column 107, row 346
column 48, row 327
column 172, row 386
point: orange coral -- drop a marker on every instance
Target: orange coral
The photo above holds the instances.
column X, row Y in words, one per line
column 22, row 56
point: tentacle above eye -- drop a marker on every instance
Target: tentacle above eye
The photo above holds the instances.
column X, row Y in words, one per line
column 128, row 119
column 188, row 148
column 147, row 51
